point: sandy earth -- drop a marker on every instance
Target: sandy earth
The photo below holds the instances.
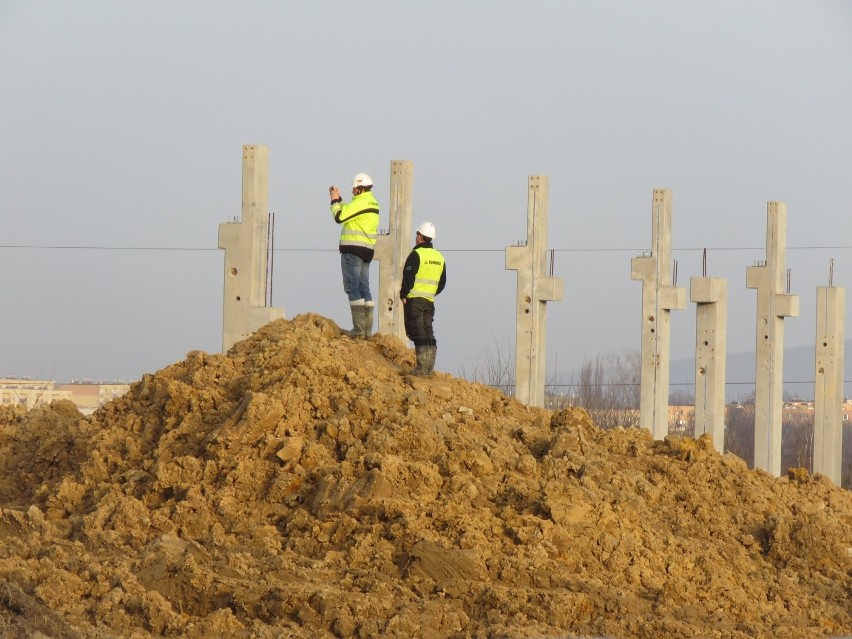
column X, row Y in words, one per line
column 303, row 486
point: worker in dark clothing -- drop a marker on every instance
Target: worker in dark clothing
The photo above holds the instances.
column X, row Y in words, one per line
column 423, row 277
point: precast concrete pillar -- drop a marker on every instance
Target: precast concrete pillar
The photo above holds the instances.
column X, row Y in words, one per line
column 773, row 305
column 710, row 295
column 828, row 390
column 535, row 288
column 659, row 298
column 246, row 244
column 392, row 249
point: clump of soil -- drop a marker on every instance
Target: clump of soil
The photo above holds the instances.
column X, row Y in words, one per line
column 304, row 486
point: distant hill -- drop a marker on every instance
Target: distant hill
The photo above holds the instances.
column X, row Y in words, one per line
column 739, row 373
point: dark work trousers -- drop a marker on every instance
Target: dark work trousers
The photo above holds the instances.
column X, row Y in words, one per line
column 418, row 314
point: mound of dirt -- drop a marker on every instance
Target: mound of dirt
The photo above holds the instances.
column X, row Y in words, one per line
column 304, row 486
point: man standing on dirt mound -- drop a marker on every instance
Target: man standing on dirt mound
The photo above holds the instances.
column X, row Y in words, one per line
column 360, row 220
column 423, row 277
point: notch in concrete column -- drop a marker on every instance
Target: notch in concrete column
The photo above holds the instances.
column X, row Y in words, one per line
column 534, row 290
column 828, row 389
column 773, row 305
column 710, row 295
column 659, row 298
column 392, row 249
column 247, row 245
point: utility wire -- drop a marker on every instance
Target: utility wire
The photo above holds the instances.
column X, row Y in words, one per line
column 105, row 248
column 83, row 247
column 636, row 384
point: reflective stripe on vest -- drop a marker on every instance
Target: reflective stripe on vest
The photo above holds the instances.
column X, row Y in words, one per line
column 352, row 235
column 428, row 275
column 359, row 219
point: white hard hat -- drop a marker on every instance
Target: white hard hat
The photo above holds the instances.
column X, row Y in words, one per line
column 427, row 229
column 362, row 179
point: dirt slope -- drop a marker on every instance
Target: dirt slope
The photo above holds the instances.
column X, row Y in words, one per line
column 303, row 486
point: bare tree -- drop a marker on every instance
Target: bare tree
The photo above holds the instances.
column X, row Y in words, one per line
column 739, row 431
column 495, row 367
column 607, row 386
column 797, row 439
column 681, row 397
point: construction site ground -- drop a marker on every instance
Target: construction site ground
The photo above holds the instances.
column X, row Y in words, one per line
column 303, row 485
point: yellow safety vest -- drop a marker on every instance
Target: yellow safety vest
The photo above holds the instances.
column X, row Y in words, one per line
column 428, row 275
column 360, row 219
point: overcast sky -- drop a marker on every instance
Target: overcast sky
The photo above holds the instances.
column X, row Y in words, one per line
column 122, row 125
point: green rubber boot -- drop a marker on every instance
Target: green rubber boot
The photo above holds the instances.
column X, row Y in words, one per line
column 368, row 320
column 359, row 317
column 431, row 353
column 421, row 367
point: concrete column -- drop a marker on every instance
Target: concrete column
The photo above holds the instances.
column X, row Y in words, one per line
column 828, row 390
column 659, row 298
column 710, row 295
column 393, row 248
column 534, row 290
column 772, row 307
column 246, row 245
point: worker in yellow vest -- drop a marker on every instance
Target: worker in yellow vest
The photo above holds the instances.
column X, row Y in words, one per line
column 360, row 220
column 424, row 275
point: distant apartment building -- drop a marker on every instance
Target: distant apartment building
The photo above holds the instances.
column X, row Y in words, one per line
column 87, row 396
column 681, row 418
column 29, row 393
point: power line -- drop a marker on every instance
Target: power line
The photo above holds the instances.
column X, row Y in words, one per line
column 84, row 247
column 687, row 384
column 104, row 248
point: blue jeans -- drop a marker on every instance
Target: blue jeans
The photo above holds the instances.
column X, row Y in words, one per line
column 356, row 277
